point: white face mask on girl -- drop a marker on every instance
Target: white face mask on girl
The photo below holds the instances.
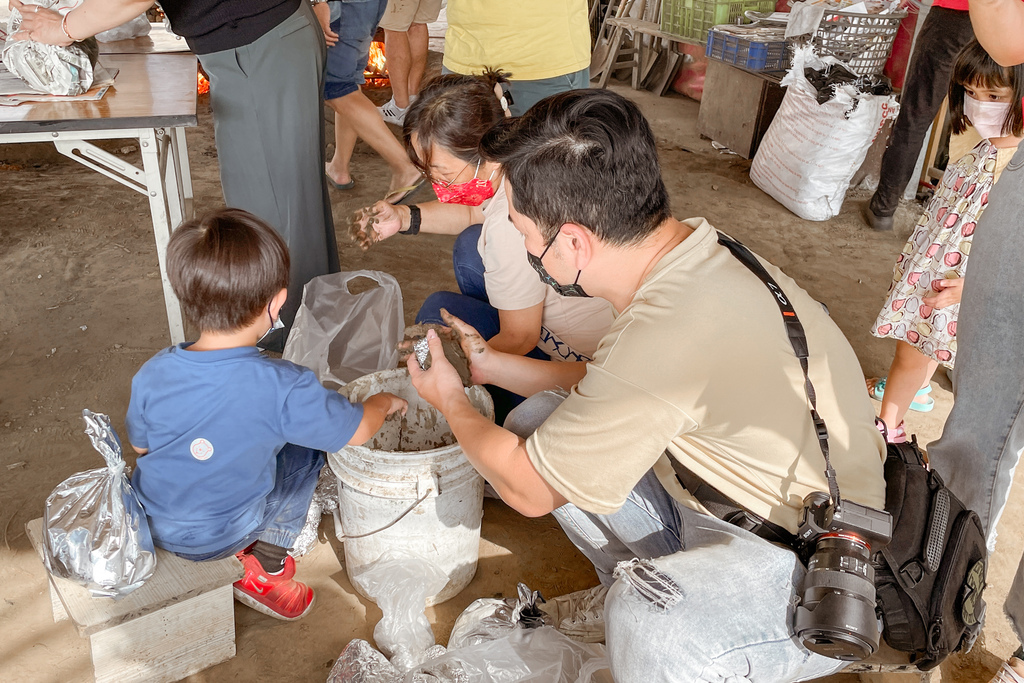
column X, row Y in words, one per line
column 986, row 117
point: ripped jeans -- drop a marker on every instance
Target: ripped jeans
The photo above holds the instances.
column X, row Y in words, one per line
column 718, row 606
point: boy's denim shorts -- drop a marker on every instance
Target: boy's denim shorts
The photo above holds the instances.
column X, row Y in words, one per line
column 355, row 22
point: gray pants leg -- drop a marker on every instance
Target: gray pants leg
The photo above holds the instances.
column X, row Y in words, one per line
column 267, row 100
column 983, row 438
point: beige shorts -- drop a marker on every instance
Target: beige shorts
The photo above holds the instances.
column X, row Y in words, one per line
column 401, row 14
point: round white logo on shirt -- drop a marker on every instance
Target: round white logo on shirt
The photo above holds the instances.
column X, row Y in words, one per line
column 201, row 449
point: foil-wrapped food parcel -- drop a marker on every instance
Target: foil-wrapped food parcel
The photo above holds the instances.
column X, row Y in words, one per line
column 95, row 531
column 50, row 69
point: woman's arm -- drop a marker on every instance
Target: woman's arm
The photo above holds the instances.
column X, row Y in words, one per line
column 999, row 27
column 388, row 219
column 520, row 330
column 84, row 21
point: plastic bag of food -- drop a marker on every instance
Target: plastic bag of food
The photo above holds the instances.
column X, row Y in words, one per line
column 400, row 582
column 492, row 618
column 139, row 26
column 50, row 69
column 341, row 335
column 95, row 530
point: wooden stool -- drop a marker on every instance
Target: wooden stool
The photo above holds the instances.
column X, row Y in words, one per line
column 887, row 660
column 181, row 621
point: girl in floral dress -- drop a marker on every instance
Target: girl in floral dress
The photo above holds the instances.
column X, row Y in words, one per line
column 924, row 299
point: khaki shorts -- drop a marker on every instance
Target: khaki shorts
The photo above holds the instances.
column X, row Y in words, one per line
column 401, row 14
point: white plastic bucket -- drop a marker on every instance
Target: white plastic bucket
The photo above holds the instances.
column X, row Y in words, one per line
column 410, row 487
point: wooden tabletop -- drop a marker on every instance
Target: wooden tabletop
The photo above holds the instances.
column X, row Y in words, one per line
column 150, row 91
column 157, row 42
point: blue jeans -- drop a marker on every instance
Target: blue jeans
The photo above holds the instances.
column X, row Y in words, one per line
column 983, row 439
column 355, row 22
column 298, row 470
column 726, row 596
column 473, row 306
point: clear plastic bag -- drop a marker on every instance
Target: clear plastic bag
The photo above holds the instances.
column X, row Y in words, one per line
column 139, row 26
column 50, row 69
column 340, row 335
column 492, row 618
column 400, row 581
column 95, row 530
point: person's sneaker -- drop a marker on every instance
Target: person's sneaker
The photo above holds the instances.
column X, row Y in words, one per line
column 579, row 615
column 1010, row 672
column 279, row 596
column 392, row 113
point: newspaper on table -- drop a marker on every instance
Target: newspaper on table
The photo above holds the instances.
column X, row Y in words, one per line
column 50, row 69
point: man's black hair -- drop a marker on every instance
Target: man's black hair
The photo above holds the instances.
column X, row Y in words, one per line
column 586, row 157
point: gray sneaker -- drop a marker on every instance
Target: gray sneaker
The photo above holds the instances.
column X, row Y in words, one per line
column 579, row 615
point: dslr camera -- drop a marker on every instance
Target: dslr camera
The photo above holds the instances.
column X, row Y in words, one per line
column 836, row 615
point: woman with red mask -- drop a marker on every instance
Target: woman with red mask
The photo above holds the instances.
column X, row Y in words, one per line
column 500, row 294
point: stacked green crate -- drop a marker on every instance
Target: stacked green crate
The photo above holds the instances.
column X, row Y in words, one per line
column 694, row 18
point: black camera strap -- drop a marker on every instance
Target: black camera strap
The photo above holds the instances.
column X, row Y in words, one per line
column 716, row 502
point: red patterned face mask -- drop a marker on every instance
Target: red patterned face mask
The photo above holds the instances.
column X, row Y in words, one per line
column 472, row 193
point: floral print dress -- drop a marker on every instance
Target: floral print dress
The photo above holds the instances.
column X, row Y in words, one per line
column 938, row 250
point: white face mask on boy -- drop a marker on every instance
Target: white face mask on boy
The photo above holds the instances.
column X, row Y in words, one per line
column 986, row 117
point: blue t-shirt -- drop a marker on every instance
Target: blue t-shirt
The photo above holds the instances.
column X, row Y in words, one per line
column 213, row 422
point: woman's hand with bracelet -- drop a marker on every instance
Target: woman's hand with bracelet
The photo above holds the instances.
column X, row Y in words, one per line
column 41, row 25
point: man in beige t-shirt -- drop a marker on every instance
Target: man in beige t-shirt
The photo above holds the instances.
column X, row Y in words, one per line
column 697, row 367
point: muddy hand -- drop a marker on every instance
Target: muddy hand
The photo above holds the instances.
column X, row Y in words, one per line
column 375, row 223
column 476, row 348
column 441, row 382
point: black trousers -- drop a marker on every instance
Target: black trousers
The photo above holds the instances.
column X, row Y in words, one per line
column 944, row 34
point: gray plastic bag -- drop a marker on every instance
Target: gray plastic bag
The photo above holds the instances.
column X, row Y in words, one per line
column 342, row 336
column 95, row 530
column 50, row 69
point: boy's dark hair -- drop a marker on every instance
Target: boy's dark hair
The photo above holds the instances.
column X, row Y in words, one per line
column 453, row 111
column 586, row 157
column 225, row 267
column 975, row 67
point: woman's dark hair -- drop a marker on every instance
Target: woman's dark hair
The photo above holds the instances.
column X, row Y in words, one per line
column 974, row 67
column 453, row 112
column 586, row 157
column 225, row 267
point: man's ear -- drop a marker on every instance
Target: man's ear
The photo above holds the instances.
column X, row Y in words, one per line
column 580, row 245
column 277, row 302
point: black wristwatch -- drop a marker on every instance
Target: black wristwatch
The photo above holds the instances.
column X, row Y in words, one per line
column 414, row 221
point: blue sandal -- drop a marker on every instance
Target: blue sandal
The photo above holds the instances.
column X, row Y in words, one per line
column 922, row 403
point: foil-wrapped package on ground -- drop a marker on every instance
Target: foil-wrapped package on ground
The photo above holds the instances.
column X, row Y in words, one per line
column 49, row 68
column 95, row 530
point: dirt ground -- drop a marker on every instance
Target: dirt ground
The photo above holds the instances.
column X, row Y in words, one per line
column 81, row 309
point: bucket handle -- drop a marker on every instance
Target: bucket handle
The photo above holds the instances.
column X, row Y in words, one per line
column 342, row 537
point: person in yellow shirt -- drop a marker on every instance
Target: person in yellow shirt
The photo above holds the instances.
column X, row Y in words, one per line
column 544, row 44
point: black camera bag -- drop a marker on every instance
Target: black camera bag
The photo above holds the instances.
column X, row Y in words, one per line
column 929, row 578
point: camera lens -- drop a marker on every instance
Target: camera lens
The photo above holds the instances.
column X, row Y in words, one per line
column 836, row 616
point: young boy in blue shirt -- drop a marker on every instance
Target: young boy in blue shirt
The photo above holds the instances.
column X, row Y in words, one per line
column 232, row 442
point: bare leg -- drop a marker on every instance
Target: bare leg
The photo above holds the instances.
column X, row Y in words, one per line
column 355, row 116
column 418, row 41
column 396, row 46
column 910, row 371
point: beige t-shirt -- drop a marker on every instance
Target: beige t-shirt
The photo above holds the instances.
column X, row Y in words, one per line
column 699, row 365
column 570, row 327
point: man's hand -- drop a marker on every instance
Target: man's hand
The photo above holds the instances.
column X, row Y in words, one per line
column 441, row 383
column 375, row 223
column 39, row 24
column 948, row 292
column 479, row 354
column 323, row 15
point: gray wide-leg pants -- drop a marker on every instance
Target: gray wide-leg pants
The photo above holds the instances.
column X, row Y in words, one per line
column 983, row 438
column 267, row 100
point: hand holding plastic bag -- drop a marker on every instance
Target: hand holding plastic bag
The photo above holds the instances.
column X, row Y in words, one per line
column 400, row 581
column 95, row 530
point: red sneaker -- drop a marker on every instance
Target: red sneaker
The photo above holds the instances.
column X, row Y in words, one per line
column 280, row 596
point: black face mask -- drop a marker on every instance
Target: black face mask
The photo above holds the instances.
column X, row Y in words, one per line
column 537, row 262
